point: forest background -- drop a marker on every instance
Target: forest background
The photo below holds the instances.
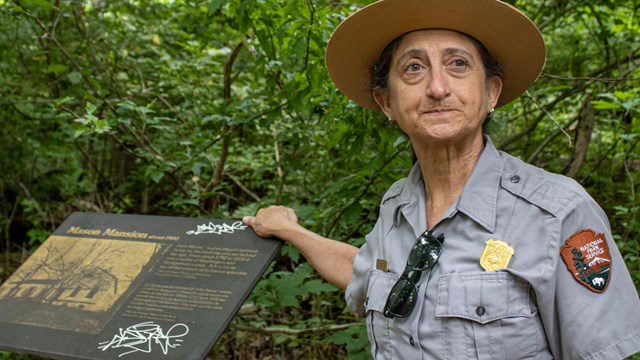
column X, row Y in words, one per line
column 215, row 108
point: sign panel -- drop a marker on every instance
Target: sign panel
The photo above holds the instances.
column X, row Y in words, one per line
column 106, row 286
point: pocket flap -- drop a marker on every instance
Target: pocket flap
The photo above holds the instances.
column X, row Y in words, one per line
column 483, row 297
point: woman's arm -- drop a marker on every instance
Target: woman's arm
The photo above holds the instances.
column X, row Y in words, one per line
column 332, row 259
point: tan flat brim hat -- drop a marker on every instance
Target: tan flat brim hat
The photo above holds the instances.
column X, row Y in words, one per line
column 510, row 36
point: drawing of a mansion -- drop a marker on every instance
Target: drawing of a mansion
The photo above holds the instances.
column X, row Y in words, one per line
column 95, row 289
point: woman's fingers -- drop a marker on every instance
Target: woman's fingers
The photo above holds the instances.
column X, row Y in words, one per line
column 271, row 220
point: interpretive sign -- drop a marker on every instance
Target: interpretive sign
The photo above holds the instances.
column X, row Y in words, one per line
column 107, row 286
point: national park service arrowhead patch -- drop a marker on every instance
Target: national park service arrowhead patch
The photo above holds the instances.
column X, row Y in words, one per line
column 587, row 257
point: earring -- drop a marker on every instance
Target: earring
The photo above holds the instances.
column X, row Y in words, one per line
column 490, row 113
column 391, row 121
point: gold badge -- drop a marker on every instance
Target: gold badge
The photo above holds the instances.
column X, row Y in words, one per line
column 496, row 255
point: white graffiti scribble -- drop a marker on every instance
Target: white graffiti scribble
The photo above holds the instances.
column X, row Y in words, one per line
column 212, row 228
column 141, row 337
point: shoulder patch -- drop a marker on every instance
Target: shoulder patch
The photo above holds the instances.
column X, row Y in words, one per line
column 587, row 257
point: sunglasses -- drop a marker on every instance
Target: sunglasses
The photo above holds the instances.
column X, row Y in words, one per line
column 423, row 256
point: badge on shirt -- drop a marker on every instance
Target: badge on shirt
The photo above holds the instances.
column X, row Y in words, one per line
column 496, row 255
column 587, row 257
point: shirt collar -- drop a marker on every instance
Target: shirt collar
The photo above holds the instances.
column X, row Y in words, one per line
column 479, row 195
column 478, row 199
column 410, row 201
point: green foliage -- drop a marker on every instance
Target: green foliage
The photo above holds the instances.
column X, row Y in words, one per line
column 5, row 355
column 355, row 339
column 289, row 288
column 216, row 108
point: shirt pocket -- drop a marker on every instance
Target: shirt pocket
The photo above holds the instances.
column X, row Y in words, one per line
column 488, row 315
column 380, row 284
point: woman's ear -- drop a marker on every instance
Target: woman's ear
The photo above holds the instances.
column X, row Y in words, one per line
column 382, row 99
column 494, row 89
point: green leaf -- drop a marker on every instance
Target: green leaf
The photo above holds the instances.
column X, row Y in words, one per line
column 353, row 212
column 75, row 77
column 154, row 173
column 102, row 126
column 318, row 286
column 356, row 340
column 64, row 100
column 214, row 5
column 401, row 140
column 57, row 68
column 291, row 252
column 90, row 108
column 604, row 105
column 287, row 294
column 42, row 3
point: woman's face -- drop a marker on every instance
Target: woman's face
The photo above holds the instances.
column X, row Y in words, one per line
column 437, row 89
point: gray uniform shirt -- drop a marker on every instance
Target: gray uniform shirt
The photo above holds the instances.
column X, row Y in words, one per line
column 536, row 308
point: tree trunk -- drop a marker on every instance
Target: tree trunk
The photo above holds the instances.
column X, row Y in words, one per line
column 586, row 120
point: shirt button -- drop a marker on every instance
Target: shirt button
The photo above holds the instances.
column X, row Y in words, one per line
column 480, row 310
column 413, row 343
column 515, row 179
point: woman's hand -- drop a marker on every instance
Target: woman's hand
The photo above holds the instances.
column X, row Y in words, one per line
column 272, row 221
column 332, row 259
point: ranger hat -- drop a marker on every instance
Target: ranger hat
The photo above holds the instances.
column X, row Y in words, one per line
column 509, row 35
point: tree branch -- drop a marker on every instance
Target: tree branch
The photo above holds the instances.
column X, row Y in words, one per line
column 224, row 151
column 289, row 331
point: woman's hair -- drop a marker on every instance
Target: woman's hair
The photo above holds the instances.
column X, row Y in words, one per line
column 380, row 72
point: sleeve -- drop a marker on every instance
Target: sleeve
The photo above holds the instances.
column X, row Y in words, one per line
column 356, row 291
column 597, row 309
